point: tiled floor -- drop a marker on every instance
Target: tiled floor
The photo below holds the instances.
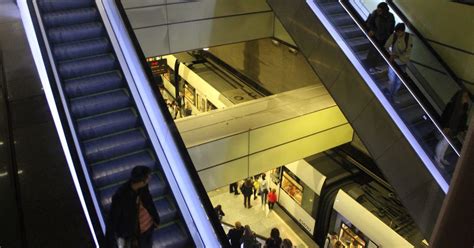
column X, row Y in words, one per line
column 260, row 220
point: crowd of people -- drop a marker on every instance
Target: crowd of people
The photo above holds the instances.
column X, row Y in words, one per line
column 258, row 187
column 243, row 236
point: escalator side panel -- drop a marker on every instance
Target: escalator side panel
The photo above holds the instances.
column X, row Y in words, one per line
column 395, row 156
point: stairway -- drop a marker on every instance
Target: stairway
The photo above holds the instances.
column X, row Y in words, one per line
column 112, row 136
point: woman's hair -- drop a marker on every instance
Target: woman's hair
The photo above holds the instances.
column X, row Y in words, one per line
column 248, row 231
column 140, row 173
column 263, row 176
column 400, row 27
column 286, row 243
column 383, row 6
column 275, row 233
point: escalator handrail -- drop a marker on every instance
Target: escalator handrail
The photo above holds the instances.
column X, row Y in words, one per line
column 191, row 170
column 409, row 84
column 425, row 42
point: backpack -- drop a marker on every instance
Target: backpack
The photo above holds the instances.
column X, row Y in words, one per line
column 406, row 37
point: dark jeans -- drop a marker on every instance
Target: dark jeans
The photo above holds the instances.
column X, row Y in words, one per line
column 146, row 240
column 233, row 188
column 255, row 193
column 374, row 58
column 247, row 201
column 270, row 205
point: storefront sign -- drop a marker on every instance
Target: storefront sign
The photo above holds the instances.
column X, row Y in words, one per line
column 158, row 66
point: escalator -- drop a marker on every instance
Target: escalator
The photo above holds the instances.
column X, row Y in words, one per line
column 400, row 131
column 111, row 133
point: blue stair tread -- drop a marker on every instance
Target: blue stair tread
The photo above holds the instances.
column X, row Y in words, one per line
column 80, row 49
column 56, row 5
column 93, row 84
column 114, row 145
column 157, row 187
column 78, row 32
column 70, row 17
column 98, row 104
column 107, row 124
column 87, row 66
column 171, row 236
column 118, row 170
column 166, row 210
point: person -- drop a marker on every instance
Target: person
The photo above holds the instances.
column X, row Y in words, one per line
column 264, row 189
column 247, row 189
column 453, row 122
column 249, row 240
column 235, row 235
column 272, row 198
column 133, row 216
column 399, row 46
column 233, row 188
column 380, row 25
column 286, row 244
column 274, row 241
column 331, row 240
column 256, row 186
column 220, row 214
column 338, row 244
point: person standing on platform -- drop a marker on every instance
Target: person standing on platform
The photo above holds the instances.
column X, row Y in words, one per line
column 275, row 240
column 233, row 188
column 219, row 212
column 272, row 198
column 249, row 240
column 133, row 215
column 380, row 25
column 247, row 190
column 264, row 189
column 256, row 186
column 235, row 235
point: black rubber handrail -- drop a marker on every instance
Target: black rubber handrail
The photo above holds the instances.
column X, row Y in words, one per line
column 425, row 42
column 407, row 81
column 216, row 224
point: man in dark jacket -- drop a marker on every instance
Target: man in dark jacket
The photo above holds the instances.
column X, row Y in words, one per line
column 133, row 215
column 380, row 25
column 235, row 234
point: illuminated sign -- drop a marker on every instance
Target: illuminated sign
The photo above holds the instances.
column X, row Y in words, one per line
column 157, row 65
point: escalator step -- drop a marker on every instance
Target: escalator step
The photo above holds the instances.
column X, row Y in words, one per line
column 171, row 236
column 118, row 170
column 87, row 66
column 359, row 43
column 341, row 19
column 412, row 114
column 57, row 5
column 99, row 104
column 333, row 8
column 107, row 124
column 166, row 210
column 81, row 49
column 115, row 145
column 158, row 188
column 70, row 17
column 351, row 31
column 79, row 32
column 93, row 84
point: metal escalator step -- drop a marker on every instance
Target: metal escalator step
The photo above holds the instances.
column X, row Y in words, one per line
column 114, row 145
column 57, row 5
column 118, row 170
column 107, row 124
column 87, row 66
column 333, row 8
column 85, row 31
column 412, row 114
column 341, row 19
column 93, row 84
column 359, row 44
column 424, row 129
column 172, row 236
column 166, row 210
column 76, row 50
column 70, row 17
column 99, row 104
column 156, row 185
column 351, row 31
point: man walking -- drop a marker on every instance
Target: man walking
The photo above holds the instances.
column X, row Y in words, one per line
column 133, row 215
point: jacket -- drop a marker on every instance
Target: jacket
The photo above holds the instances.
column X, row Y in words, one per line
column 272, row 197
column 247, row 190
column 400, row 48
column 235, row 235
column 123, row 216
column 455, row 115
column 273, row 243
column 381, row 25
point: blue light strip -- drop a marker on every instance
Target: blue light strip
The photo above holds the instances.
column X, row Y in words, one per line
column 173, row 165
column 38, row 58
column 380, row 96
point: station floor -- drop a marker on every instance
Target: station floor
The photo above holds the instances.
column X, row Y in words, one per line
column 260, row 219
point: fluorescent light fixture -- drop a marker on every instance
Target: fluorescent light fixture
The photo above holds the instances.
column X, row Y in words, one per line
column 206, row 49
